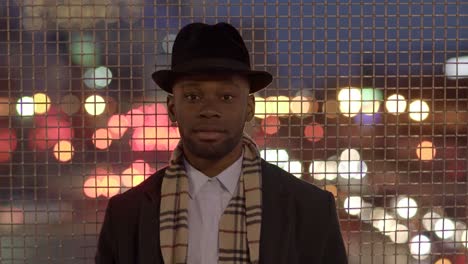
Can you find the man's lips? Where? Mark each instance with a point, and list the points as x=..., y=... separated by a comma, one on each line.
x=209, y=134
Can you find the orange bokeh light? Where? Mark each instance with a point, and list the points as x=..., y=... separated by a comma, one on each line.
x=117, y=125
x=103, y=183
x=155, y=138
x=426, y=151
x=136, y=173
x=102, y=138
x=63, y=151
x=50, y=129
x=314, y=132
x=135, y=117
x=270, y=125
x=11, y=215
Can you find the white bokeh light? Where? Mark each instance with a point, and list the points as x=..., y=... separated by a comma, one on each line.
x=456, y=68
x=295, y=168
x=429, y=219
x=353, y=205
x=400, y=235
x=444, y=228
x=420, y=246
x=168, y=43
x=95, y=105
x=386, y=224
x=279, y=157
x=97, y=78
x=464, y=238
x=25, y=106
x=322, y=170
x=406, y=207
x=418, y=110
x=352, y=169
x=396, y=104
x=350, y=155
x=350, y=101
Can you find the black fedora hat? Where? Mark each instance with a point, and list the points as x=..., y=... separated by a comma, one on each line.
x=203, y=48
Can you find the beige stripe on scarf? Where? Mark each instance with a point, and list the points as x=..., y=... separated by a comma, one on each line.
x=240, y=224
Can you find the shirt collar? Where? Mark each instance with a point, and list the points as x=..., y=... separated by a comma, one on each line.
x=228, y=178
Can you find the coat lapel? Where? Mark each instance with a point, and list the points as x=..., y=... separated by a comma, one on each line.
x=277, y=220
x=149, y=251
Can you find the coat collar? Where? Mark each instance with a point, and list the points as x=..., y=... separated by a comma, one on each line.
x=277, y=225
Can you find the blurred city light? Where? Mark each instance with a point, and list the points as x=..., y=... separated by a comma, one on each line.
x=260, y=107
x=41, y=103
x=136, y=117
x=277, y=105
x=371, y=100
x=426, y=151
x=5, y=103
x=95, y=105
x=400, y=235
x=49, y=129
x=456, y=68
x=429, y=219
x=168, y=43
x=396, y=104
x=302, y=106
x=97, y=78
x=350, y=101
x=295, y=168
x=25, y=106
x=314, y=132
x=420, y=247
x=418, y=110
x=406, y=207
x=102, y=138
x=117, y=125
x=353, y=205
x=443, y=261
x=101, y=183
x=138, y=171
x=444, y=228
x=84, y=51
x=63, y=151
x=270, y=125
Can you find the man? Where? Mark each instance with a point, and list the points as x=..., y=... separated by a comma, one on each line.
x=218, y=201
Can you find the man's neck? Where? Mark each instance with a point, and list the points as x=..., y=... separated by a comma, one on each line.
x=212, y=168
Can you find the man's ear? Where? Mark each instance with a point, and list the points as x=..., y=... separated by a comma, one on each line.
x=250, y=108
x=171, y=107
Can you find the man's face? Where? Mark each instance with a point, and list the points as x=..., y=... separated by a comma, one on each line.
x=211, y=111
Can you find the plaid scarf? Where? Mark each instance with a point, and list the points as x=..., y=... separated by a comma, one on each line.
x=239, y=226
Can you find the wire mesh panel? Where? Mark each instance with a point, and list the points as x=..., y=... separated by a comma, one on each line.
x=369, y=101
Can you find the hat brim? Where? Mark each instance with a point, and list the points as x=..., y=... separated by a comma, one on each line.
x=258, y=79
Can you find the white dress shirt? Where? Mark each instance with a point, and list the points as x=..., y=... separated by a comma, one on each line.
x=209, y=197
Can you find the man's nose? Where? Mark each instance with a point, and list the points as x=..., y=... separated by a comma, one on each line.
x=209, y=109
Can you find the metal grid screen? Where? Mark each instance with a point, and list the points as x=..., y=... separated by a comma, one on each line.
x=369, y=101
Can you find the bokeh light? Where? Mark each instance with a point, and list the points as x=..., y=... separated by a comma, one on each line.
x=95, y=105
x=42, y=103
x=371, y=100
x=277, y=105
x=426, y=151
x=8, y=143
x=456, y=68
x=302, y=106
x=117, y=126
x=418, y=110
x=350, y=155
x=260, y=107
x=155, y=138
x=25, y=106
x=314, y=132
x=168, y=43
x=49, y=129
x=70, y=104
x=406, y=207
x=138, y=171
x=11, y=215
x=350, y=101
x=101, y=182
x=63, y=151
x=396, y=104
x=387, y=224
x=5, y=104
x=444, y=228
x=270, y=125
x=420, y=246
x=102, y=138
x=84, y=51
x=400, y=235
x=279, y=157
x=97, y=78
x=136, y=117
x=353, y=205
x=429, y=219
x=322, y=170
x=443, y=261
x=295, y=168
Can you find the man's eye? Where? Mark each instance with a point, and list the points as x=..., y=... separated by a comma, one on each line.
x=191, y=97
x=227, y=97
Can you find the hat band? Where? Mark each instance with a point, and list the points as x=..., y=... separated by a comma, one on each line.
x=211, y=64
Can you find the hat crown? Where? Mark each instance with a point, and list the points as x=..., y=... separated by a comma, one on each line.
x=202, y=41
